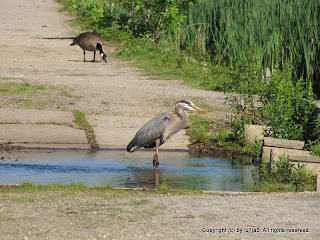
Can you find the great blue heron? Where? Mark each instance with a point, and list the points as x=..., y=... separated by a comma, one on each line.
x=90, y=41
x=159, y=129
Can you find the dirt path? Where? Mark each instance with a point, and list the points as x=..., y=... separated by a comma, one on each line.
x=35, y=46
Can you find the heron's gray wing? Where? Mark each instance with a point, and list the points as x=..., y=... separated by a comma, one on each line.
x=150, y=132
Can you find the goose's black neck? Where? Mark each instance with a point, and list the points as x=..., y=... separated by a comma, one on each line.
x=99, y=47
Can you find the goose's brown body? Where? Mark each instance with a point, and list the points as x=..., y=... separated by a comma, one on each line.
x=90, y=41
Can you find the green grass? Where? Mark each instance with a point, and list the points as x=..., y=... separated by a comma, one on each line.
x=106, y=191
x=16, y=92
x=200, y=130
x=141, y=202
x=28, y=187
x=283, y=176
x=12, y=88
x=10, y=79
x=212, y=137
x=82, y=123
x=66, y=94
x=13, y=219
x=170, y=64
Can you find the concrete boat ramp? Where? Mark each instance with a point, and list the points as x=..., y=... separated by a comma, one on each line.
x=34, y=128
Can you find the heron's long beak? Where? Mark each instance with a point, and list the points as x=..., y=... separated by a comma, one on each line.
x=199, y=109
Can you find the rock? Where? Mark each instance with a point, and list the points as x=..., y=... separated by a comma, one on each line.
x=253, y=132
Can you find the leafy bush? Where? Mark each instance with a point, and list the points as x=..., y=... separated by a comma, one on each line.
x=147, y=19
x=313, y=144
x=288, y=107
x=314, y=147
x=227, y=136
x=284, y=176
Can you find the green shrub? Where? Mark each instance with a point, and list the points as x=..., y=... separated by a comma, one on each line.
x=313, y=144
x=288, y=107
x=314, y=147
x=284, y=176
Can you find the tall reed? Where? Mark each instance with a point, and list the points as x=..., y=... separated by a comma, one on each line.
x=271, y=33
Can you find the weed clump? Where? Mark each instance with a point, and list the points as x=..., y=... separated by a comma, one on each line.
x=282, y=175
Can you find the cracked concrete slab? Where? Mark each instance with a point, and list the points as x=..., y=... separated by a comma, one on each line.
x=116, y=132
x=14, y=115
x=42, y=135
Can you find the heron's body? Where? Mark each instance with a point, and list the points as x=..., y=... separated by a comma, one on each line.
x=159, y=129
x=90, y=41
x=146, y=137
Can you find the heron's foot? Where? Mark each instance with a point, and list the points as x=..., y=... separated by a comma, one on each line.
x=155, y=161
x=156, y=164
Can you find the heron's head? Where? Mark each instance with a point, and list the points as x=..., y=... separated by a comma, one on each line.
x=186, y=104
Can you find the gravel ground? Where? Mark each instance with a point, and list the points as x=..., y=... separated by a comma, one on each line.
x=41, y=54
x=35, y=41
x=140, y=215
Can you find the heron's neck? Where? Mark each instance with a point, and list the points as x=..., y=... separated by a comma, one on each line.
x=177, y=124
x=184, y=117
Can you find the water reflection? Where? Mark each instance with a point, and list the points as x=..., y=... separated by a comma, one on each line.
x=121, y=169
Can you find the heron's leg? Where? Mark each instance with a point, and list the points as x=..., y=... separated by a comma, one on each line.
x=156, y=176
x=155, y=157
x=84, y=55
x=94, y=56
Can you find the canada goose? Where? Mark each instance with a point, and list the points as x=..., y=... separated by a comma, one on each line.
x=90, y=41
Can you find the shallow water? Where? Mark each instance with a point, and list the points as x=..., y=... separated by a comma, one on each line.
x=122, y=169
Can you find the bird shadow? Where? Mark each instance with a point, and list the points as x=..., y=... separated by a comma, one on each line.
x=54, y=38
x=73, y=60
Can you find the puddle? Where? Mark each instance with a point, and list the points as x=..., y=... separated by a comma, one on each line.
x=122, y=169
